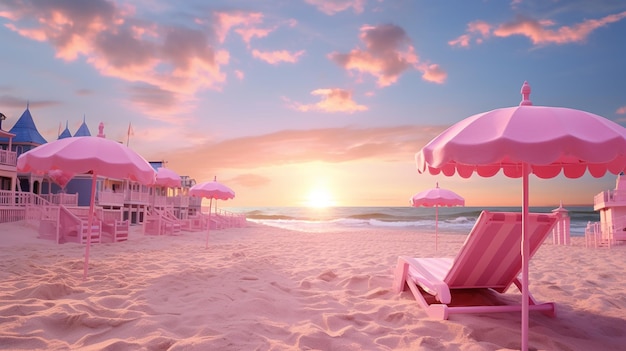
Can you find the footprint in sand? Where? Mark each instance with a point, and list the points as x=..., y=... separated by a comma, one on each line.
x=327, y=276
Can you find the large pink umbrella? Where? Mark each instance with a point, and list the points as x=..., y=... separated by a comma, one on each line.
x=522, y=140
x=100, y=156
x=436, y=197
x=211, y=190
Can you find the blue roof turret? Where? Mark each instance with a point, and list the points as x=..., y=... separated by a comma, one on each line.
x=83, y=130
x=25, y=130
x=66, y=133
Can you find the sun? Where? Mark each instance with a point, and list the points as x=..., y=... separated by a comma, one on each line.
x=319, y=198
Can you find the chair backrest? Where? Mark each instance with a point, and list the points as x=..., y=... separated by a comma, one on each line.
x=491, y=255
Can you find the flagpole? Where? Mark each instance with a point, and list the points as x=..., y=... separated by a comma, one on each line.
x=128, y=134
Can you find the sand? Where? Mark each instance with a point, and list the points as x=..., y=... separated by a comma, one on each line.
x=263, y=288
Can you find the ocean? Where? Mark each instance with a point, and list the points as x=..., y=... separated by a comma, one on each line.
x=450, y=219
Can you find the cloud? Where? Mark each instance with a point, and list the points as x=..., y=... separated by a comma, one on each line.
x=540, y=32
x=250, y=180
x=14, y=102
x=149, y=98
x=331, y=7
x=333, y=100
x=275, y=57
x=184, y=59
x=225, y=21
x=84, y=92
x=388, y=53
x=433, y=73
x=477, y=30
x=332, y=145
x=621, y=110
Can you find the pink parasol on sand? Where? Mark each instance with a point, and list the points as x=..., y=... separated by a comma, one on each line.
x=436, y=197
x=167, y=177
x=526, y=139
x=95, y=155
x=211, y=190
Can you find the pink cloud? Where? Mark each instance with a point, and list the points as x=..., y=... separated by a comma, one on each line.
x=176, y=61
x=248, y=33
x=540, y=32
x=477, y=30
x=388, y=53
x=331, y=7
x=621, y=110
x=433, y=73
x=239, y=74
x=333, y=145
x=250, y=180
x=274, y=57
x=333, y=100
x=228, y=20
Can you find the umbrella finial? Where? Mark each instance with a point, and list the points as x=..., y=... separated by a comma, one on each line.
x=525, y=95
x=101, y=130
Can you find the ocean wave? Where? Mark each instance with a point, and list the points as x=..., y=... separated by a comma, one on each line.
x=450, y=219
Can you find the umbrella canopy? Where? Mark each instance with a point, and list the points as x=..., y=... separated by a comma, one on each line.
x=60, y=177
x=167, y=177
x=436, y=197
x=99, y=156
x=524, y=140
x=211, y=190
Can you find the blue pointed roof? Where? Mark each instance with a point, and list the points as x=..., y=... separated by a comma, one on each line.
x=25, y=130
x=66, y=133
x=83, y=130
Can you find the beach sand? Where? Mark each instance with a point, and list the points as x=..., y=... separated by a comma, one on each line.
x=263, y=288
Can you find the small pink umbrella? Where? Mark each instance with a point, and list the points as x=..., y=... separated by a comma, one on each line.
x=211, y=190
x=527, y=139
x=436, y=197
x=167, y=177
x=79, y=155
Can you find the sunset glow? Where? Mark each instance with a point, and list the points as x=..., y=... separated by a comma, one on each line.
x=320, y=197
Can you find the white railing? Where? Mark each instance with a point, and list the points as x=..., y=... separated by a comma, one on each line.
x=21, y=199
x=8, y=158
x=110, y=198
x=610, y=196
x=12, y=214
x=599, y=234
x=132, y=196
x=62, y=199
x=178, y=201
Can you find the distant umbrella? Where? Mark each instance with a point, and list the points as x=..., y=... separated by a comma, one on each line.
x=211, y=190
x=436, y=197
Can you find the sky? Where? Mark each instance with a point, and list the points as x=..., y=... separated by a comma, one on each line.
x=311, y=102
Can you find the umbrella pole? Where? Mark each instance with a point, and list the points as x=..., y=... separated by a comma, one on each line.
x=436, y=226
x=89, y=224
x=525, y=257
x=208, y=225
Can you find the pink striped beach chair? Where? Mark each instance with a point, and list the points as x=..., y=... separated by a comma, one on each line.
x=489, y=260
